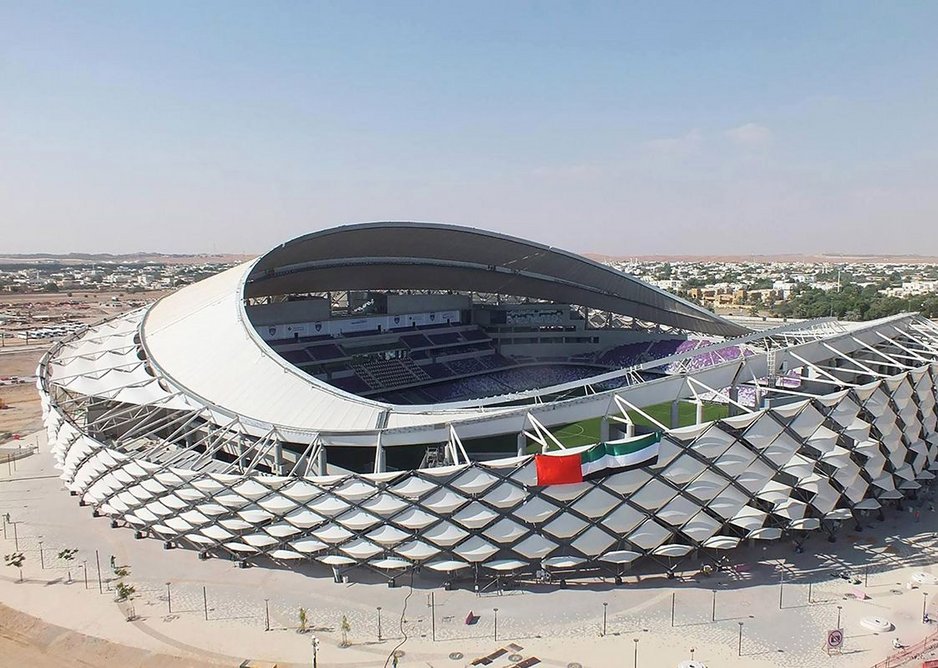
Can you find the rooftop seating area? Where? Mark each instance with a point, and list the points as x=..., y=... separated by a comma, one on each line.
x=468, y=365
x=373, y=362
x=632, y=354
x=296, y=356
x=709, y=358
x=414, y=341
x=352, y=384
x=445, y=338
x=457, y=339
x=381, y=374
x=442, y=362
x=516, y=379
x=329, y=351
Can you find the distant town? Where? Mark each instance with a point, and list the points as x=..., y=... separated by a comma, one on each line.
x=849, y=291
x=52, y=298
x=47, y=297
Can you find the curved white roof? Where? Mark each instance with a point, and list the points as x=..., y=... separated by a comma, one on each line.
x=196, y=350
x=200, y=340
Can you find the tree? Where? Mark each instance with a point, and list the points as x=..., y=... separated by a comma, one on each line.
x=345, y=627
x=16, y=560
x=303, y=620
x=125, y=591
x=68, y=555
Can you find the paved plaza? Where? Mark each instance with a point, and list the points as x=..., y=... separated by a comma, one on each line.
x=778, y=602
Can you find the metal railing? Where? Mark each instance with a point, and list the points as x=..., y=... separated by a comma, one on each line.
x=906, y=654
x=14, y=454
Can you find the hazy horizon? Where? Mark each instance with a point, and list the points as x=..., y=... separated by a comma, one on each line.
x=677, y=129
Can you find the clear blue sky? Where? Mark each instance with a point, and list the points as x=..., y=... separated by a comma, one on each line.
x=695, y=127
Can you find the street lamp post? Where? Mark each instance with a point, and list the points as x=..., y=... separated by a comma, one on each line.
x=692, y=654
x=839, y=608
x=97, y=561
x=42, y=561
x=605, y=605
x=169, y=599
x=495, y=611
x=379, y=623
x=16, y=540
x=924, y=605
x=315, y=644
x=713, y=607
x=635, y=653
x=781, y=585
x=673, y=598
x=267, y=614
x=739, y=648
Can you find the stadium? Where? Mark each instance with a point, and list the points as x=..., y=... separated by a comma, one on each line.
x=400, y=396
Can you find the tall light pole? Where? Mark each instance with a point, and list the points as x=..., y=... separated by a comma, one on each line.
x=635, y=653
x=379, y=623
x=739, y=648
x=713, y=607
x=432, y=617
x=605, y=605
x=673, y=598
x=314, y=641
x=839, y=608
x=42, y=561
x=97, y=561
x=267, y=614
x=169, y=599
x=495, y=610
x=924, y=605
x=781, y=585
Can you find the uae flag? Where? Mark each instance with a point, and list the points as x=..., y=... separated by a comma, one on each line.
x=597, y=461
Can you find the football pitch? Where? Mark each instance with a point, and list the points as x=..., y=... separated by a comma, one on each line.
x=586, y=432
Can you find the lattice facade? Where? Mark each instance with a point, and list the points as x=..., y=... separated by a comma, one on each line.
x=180, y=420
x=761, y=475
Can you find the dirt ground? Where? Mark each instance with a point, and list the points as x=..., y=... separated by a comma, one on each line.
x=22, y=413
x=28, y=641
x=81, y=297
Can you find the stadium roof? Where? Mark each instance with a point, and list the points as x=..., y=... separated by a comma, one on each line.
x=431, y=256
x=200, y=342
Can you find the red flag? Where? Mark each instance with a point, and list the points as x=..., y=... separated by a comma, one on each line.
x=558, y=469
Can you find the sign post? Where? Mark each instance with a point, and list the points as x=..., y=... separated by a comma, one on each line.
x=835, y=640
